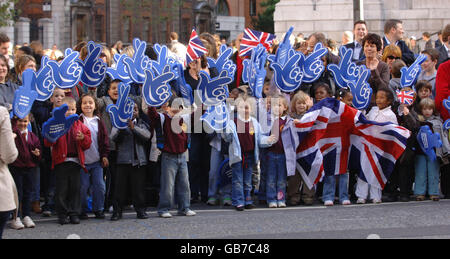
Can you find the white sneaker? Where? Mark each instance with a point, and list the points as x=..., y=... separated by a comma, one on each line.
x=166, y=215
x=190, y=213
x=361, y=201
x=376, y=201
x=227, y=202
x=28, y=222
x=273, y=205
x=346, y=202
x=281, y=204
x=16, y=224
x=329, y=203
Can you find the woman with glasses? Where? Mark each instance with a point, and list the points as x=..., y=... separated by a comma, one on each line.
x=390, y=54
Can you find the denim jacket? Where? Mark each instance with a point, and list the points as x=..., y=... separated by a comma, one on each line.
x=234, y=150
x=128, y=140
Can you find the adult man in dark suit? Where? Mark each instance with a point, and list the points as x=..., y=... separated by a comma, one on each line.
x=444, y=50
x=393, y=34
x=438, y=42
x=360, y=31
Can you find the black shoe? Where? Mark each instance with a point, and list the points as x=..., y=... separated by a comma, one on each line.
x=250, y=206
x=142, y=215
x=84, y=216
x=63, y=220
x=404, y=198
x=239, y=208
x=99, y=215
x=390, y=198
x=116, y=216
x=262, y=202
x=74, y=219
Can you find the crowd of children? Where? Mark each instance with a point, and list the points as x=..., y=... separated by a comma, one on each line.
x=95, y=166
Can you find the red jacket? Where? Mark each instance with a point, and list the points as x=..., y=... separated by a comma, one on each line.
x=443, y=88
x=59, y=148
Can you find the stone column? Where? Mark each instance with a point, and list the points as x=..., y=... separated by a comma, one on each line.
x=48, y=35
x=22, y=27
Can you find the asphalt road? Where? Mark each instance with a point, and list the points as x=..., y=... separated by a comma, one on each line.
x=388, y=220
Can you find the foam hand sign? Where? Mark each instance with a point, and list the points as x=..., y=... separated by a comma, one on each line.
x=428, y=141
x=217, y=117
x=446, y=104
x=139, y=63
x=213, y=91
x=44, y=81
x=411, y=74
x=156, y=89
x=254, y=72
x=25, y=96
x=163, y=59
x=288, y=77
x=67, y=74
x=122, y=111
x=313, y=65
x=94, y=69
x=223, y=62
x=120, y=72
x=281, y=57
x=347, y=70
x=58, y=124
x=361, y=90
x=185, y=89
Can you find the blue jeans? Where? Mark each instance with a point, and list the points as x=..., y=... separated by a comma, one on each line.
x=329, y=187
x=36, y=184
x=23, y=179
x=276, y=177
x=216, y=160
x=174, y=174
x=262, y=177
x=242, y=180
x=426, y=170
x=93, y=180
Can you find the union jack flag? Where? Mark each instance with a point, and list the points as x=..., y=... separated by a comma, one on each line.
x=405, y=97
x=252, y=38
x=195, y=49
x=335, y=137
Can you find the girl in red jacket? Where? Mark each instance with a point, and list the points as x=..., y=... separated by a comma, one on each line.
x=23, y=169
x=67, y=160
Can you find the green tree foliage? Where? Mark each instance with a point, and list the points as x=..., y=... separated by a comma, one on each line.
x=265, y=22
x=7, y=12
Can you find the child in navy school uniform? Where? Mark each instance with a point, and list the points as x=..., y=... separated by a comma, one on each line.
x=22, y=169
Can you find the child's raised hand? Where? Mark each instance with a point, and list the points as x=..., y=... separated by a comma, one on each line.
x=36, y=152
x=309, y=103
x=405, y=110
x=105, y=162
x=80, y=136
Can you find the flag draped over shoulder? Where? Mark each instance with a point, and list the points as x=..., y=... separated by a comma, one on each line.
x=334, y=137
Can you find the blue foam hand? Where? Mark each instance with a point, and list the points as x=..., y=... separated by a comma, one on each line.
x=58, y=124
x=120, y=72
x=67, y=74
x=185, y=88
x=361, y=90
x=156, y=89
x=122, y=111
x=428, y=141
x=94, y=69
x=139, y=63
x=223, y=62
x=213, y=91
x=411, y=74
x=313, y=65
x=163, y=59
x=217, y=117
x=288, y=77
x=446, y=104
x=254, y=71
x=44, y=81
x=25, y=96
x=282, y=55
x=347, y=70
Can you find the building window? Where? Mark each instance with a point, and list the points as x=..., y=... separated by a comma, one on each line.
x=126, y=30
x=163, y=35
x=252, y=7
x=145, y=28
x=186, y=30
x=222, y=8
x=99, y=28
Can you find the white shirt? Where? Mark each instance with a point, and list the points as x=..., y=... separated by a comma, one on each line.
x=357, y=51
x=385, y=115
x=25, y=132
x=92, y=155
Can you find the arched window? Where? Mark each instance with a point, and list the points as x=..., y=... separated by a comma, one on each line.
x=222, y=8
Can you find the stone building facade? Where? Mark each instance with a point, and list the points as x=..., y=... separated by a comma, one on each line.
x=333, y=17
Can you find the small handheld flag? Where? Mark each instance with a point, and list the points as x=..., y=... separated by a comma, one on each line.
x=195, y=49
